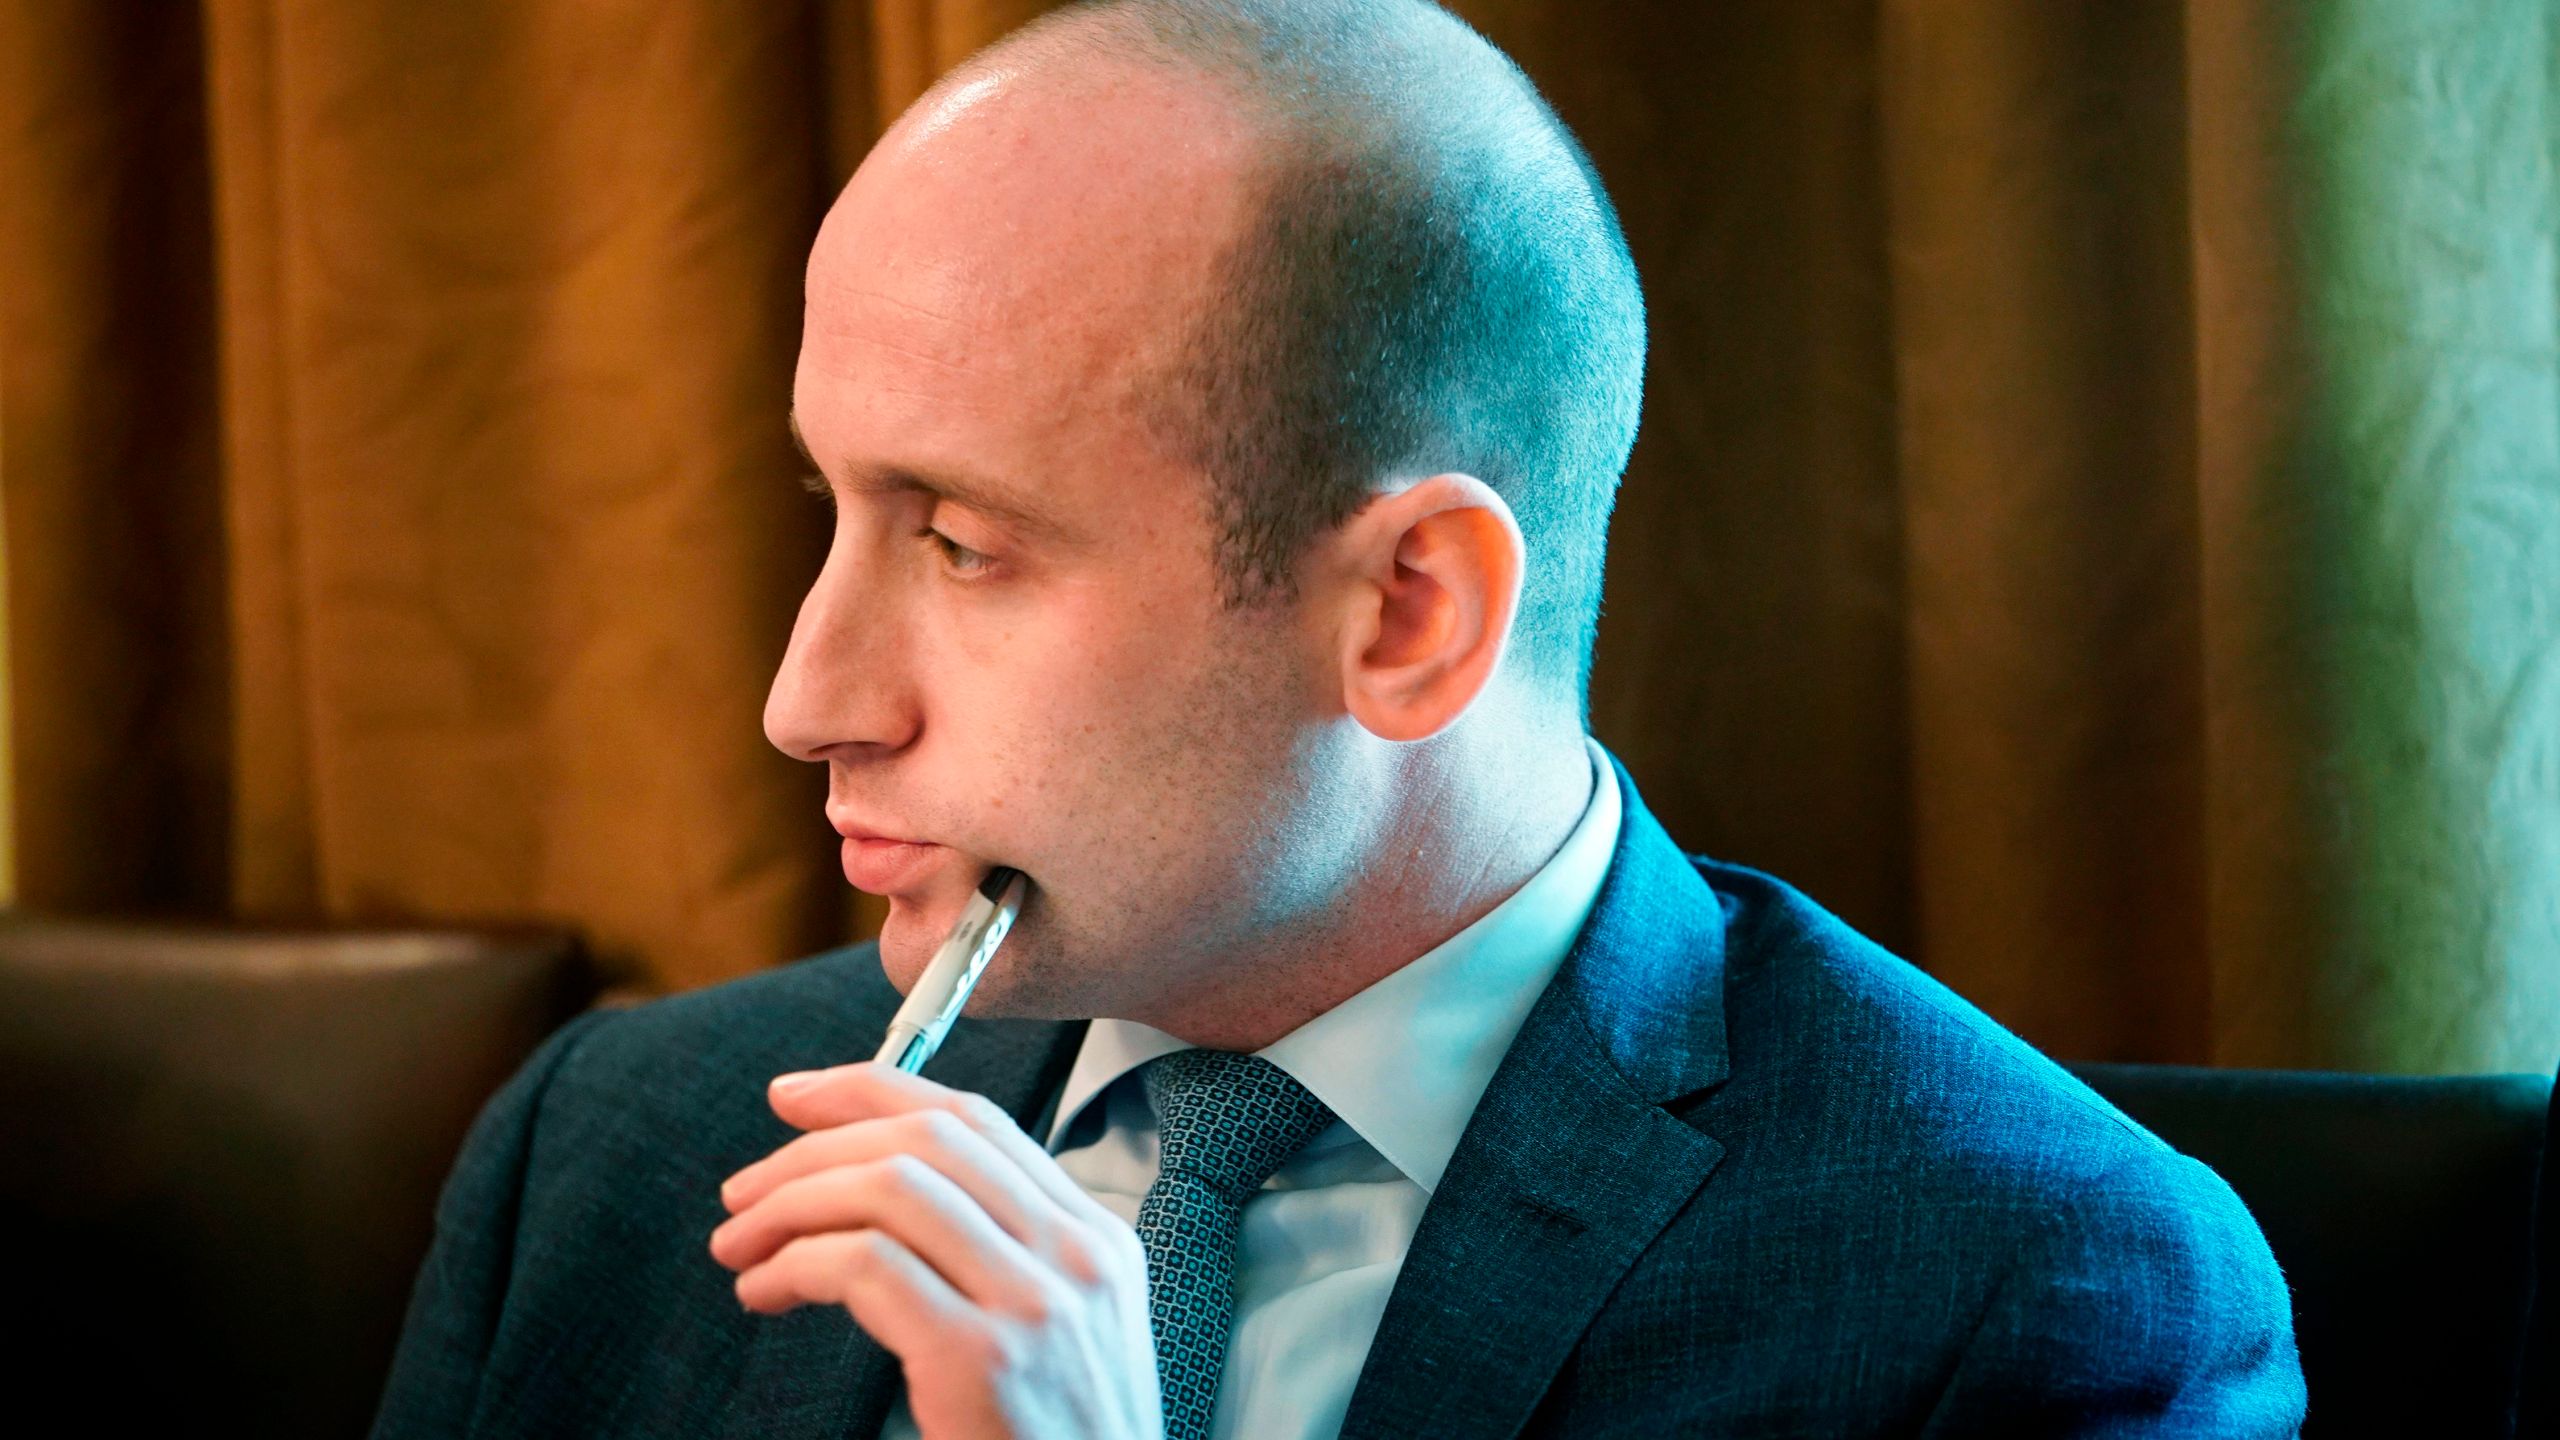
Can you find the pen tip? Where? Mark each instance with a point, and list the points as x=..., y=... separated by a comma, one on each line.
x=993, y=886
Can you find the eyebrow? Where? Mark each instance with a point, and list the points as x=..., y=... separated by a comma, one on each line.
x=968, y=491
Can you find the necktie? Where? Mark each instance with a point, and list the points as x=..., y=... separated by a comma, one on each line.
x=1225, y=1123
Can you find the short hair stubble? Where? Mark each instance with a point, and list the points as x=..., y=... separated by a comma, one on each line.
x=1433, y=280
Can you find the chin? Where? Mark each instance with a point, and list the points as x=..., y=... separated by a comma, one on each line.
x=915, y=929
x=908, y=938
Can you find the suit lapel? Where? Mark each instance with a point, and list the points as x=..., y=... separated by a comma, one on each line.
x=813, y=1373
x=1570, y=1166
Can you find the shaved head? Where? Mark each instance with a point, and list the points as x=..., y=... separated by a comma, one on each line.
x=1221, y=404
x=1427, y=276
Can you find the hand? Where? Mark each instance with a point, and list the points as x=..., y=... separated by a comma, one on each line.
x=1017, y=1304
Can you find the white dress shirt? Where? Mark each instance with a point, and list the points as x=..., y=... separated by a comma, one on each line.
x=1402, y=1064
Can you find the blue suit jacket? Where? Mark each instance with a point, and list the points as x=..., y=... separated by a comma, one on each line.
x=1742, y=1173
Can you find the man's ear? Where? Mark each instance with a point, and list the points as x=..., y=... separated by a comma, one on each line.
x=1433, y=575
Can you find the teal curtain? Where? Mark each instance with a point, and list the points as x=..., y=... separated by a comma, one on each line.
x=2380, y=464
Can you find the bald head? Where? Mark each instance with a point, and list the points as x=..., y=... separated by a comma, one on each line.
x=1377, y=255
x=1218, y=398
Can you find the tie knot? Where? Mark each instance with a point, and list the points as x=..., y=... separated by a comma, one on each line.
x=1227, y=1120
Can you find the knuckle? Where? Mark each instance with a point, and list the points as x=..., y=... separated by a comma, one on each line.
x=861, y=1252
x=901, y=1174
x=1038, y=1305
x=941, y=1128
x=982, y=1113
x=1074, y=1256
x=978, y=1349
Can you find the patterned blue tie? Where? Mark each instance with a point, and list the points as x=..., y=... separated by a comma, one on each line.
x=1225, y=1123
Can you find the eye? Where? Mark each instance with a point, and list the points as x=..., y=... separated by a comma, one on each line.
x=960, y=558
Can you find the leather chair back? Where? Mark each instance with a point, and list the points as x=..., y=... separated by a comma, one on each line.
x=222, y=1152
x=2401, y=1209
x=2538, y=1408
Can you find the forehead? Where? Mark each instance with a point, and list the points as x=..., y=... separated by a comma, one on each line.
x=1016, y=253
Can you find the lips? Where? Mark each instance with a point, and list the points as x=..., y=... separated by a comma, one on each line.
x=885, y=866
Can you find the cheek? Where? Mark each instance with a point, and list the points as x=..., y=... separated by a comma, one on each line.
x=1145, y=727
x=1095, y=715
x=1042, y=713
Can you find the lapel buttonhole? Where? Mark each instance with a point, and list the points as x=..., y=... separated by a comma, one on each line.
x=1555, y=1217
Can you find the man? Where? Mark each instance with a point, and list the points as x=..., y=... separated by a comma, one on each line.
x=1221, y=402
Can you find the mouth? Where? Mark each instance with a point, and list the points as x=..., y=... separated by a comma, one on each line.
x=887, y=864
x=890, y=867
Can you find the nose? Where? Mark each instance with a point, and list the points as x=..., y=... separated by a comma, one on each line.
x=843, y=684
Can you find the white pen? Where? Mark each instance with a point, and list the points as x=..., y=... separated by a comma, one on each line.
x=917, y=1029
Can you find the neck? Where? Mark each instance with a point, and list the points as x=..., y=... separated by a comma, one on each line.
x=1470, y=818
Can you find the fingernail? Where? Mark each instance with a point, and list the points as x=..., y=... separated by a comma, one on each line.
x=795, y=1082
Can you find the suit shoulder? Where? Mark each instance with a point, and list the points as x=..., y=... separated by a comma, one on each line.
x=1908, y=1201
x=1910, y=1145
x=1870, y=1057
x=2151, y=1291
x=818, y=1009
x=686, y=1075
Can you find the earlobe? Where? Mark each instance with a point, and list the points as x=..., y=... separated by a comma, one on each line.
x=1441, y=564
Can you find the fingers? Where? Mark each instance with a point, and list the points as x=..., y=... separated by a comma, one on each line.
x=819, y=1099
x=937, y=1136
x=913, y=1203
x=956, y=1242
x=892, y=1294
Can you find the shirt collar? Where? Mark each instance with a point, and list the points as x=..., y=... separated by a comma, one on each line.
x=1404, y=1062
